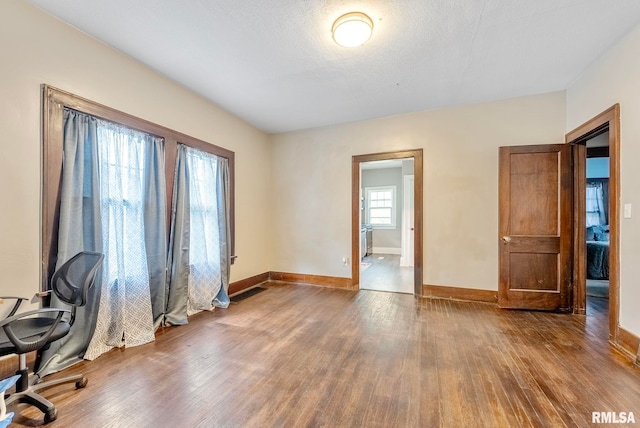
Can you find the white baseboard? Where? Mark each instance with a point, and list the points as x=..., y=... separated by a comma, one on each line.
x=406, y=262
x=386, y=250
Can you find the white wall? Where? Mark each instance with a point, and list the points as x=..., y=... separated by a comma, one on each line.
x=615, y=78
x=37, y=49
x=311, y=185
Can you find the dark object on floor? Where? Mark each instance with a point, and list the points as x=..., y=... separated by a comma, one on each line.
x=35, y=330
x=237, y=298
x=597, y=259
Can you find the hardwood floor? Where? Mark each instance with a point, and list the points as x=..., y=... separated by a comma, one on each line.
x=386, y=274
x=304, y=356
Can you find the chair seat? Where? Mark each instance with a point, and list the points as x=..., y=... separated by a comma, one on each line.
x=31, y=329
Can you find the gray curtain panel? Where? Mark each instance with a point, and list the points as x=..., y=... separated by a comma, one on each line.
x=178, y=257
x=79, y=230
x=222, y=194
x=155, y=235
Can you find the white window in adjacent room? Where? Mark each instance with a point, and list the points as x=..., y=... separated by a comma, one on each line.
x=381, y=207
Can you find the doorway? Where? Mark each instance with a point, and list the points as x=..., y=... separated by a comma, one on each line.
x=387, y=223
x=606, y=125
x=384, y=253
x=597, y=225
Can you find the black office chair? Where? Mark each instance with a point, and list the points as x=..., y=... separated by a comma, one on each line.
x=35, y=330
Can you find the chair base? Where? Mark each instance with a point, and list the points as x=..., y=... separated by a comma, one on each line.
x=30, y=394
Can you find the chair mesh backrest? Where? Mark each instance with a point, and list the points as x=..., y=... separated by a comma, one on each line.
x=71, y=282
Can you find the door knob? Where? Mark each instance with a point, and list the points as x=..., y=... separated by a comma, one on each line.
x=506, y=239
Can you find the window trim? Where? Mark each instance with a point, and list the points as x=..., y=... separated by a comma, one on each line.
x=394, y=206
x=53, y=103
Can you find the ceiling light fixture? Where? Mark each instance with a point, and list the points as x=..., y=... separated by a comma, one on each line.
x=352, y=29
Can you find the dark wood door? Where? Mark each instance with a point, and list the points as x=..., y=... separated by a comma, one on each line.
x=535, y=227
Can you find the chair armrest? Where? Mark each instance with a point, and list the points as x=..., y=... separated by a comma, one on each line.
x=16, y=305
x=23, y=346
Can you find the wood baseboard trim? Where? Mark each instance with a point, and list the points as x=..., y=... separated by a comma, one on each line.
x=458, y=293
x=247, y=283
x=9, y=364
x=319, y=280
x=629, y=343
x=428, y=291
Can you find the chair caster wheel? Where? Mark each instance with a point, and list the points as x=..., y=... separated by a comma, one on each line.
x=50, y=415
x=82, y=383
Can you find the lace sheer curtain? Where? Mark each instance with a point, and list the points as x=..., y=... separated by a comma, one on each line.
x=125, y=316
x=204, y=260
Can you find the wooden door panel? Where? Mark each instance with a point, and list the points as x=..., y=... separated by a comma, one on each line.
x=533, y=271
x=535, y=226
x=534, y=189
x=540, y=244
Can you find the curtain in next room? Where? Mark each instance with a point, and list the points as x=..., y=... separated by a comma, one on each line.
x=596, y=203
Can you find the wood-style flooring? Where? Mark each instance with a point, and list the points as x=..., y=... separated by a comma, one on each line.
x=304, y=356
x=384, y=273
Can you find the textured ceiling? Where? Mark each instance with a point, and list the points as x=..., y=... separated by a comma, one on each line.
x=274, y=63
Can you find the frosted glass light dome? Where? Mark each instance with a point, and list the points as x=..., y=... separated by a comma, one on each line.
x=352, y=29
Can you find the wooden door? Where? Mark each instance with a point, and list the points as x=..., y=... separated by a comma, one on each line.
x=535, y=227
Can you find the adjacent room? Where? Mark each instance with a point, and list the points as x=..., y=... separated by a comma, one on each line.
x=230, y=214
x=597, y=220
x=386, y=262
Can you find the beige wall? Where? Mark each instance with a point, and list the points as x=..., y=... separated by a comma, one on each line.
x=311, y=185
x=37, y=49
x=615, y=78
x=296, y=191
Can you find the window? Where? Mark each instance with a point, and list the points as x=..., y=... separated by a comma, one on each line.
x=122, y=155
x=55, y=101
x=205, y=271
x=203, y=208
x=381, y=207
x=108, y=185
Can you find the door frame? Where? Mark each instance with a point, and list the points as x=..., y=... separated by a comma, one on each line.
x=610, y=119
x=407, y=201
x=417, y=211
